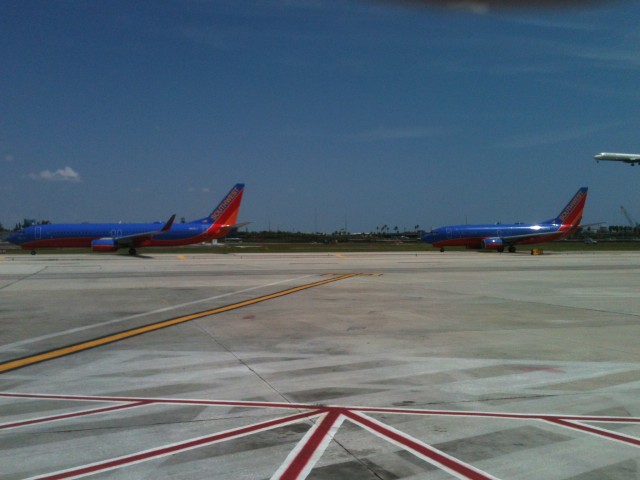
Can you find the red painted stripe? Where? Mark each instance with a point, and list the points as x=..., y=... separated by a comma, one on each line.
x=303, y=406
x=303, y=458
x=600, y=432
x=433, y=455
x=166, y=401
x=602, y=419
x=515, y=416
x=299, y=464
x=83, y=413
x=70, y=242
x=447, y=413
x=175, y=448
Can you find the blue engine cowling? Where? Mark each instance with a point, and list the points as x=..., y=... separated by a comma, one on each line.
x=493, y=243
x=104, y=245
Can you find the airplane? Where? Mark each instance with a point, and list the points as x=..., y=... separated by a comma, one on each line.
x=499, y=236
x=109, y=237
x=631, y=158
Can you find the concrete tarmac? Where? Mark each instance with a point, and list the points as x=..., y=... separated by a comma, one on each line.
x=361, y=366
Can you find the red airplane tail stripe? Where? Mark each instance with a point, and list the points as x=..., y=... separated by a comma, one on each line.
x=229, y=215
x=226, y=212
x=575, y=216
x=572, y=213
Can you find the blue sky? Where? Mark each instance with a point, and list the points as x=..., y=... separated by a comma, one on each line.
x=332, y=112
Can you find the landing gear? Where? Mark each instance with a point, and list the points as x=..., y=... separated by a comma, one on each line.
x=33, y=252
x=512, y=249
x=441, y=249
x=132, y=251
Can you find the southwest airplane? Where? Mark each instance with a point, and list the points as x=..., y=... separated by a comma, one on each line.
x=499, y=236
x=109, y=237
x=631, y=158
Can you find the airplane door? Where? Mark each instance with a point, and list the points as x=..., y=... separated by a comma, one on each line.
x=38, y=233
x=449, y=235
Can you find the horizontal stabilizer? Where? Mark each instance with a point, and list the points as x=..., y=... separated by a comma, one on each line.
x=231, y=227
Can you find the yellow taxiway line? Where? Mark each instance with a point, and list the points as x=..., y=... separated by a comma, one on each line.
x=116, y=337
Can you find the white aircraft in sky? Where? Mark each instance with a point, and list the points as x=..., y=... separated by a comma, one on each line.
x=631, y=158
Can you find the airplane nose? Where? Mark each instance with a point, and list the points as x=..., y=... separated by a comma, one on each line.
x=13, y=238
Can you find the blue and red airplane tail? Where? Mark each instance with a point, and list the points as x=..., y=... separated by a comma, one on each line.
x=226, y=212
x=571, y=215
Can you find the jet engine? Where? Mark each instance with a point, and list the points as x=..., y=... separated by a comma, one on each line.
x=493, y=243
x=104, y=245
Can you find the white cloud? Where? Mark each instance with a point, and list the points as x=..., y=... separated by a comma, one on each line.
x=9, y=158
x=66, y=174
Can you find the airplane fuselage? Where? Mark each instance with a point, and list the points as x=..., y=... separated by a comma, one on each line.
x=498, y=236
x=486, y=236
x=109, y=237
x=83, y=235
x=631, y=158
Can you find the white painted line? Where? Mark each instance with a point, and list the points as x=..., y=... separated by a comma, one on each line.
x=29, y=341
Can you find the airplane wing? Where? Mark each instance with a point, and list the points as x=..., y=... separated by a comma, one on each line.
x=228, y=228
x=136, y=237
x=530, y=236
x=524, y=236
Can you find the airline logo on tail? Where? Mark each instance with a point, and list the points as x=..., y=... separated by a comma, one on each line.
x=573, y=211
x=235, y=192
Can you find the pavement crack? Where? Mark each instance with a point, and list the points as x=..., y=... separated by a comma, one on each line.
x=26, y=277
x=243, y=363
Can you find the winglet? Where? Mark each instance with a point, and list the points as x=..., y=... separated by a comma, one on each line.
x=169, y=224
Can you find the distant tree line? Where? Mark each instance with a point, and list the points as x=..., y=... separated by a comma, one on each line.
x=383, y=232
x=614, y=231
x=24, y=224
x=319, y=237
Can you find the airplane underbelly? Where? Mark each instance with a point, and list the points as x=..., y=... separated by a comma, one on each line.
x=459, y=242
